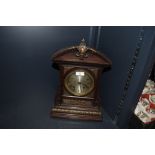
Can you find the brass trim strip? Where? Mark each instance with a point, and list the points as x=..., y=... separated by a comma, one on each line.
x=76, y=111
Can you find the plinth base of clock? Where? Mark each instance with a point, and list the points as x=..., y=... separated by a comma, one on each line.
x=76, y=114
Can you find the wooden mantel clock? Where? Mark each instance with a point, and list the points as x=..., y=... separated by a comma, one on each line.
x=78, y=94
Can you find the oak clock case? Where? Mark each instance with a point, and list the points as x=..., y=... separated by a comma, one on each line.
x=78, y=95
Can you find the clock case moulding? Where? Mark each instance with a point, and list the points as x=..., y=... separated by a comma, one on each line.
x=67, y=105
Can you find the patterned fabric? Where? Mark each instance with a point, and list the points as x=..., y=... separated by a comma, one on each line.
x=145, y=109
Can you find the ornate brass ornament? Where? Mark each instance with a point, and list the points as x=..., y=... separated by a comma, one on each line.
x=82, y=50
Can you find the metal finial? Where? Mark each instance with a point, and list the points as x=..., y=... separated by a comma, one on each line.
x=82, y=47
x=83, y=41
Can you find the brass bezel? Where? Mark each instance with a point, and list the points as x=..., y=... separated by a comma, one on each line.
x=77, y=94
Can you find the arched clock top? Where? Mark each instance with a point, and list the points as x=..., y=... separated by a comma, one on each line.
x=81, y=54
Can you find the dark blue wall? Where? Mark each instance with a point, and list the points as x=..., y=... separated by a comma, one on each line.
x=27, y=80
x=119, y=44
x=121, y=89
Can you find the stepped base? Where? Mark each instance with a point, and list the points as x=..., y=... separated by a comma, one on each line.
x=76, y=114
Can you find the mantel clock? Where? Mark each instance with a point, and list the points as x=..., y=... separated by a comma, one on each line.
x=80, y=70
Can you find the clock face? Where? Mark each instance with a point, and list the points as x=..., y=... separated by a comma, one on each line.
x=79, y=82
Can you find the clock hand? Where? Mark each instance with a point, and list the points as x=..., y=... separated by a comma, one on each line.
x=79, y=78
x=79, y=88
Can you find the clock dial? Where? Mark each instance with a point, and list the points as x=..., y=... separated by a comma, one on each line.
x=79, y=82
